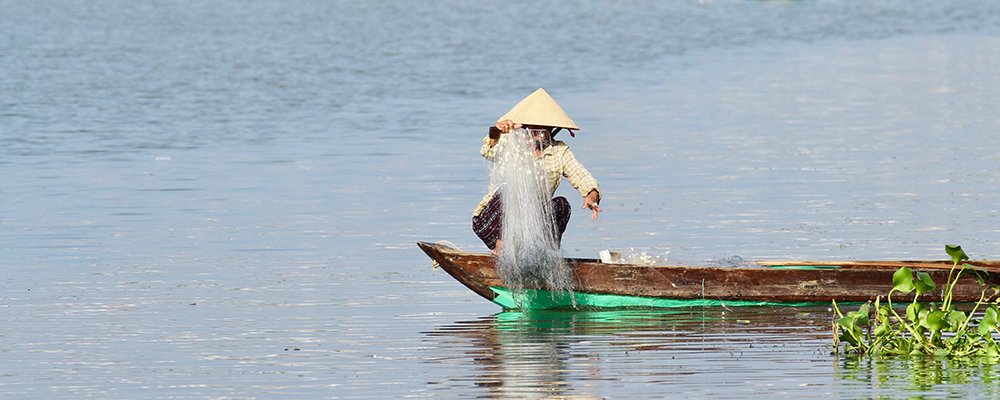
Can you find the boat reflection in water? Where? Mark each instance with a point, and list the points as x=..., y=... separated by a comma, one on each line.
x=589, y=354
x=699, y=353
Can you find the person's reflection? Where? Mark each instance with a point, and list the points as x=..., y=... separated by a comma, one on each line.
x=528, y=355
x=545, y=353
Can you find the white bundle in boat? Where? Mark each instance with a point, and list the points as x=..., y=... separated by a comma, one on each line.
x=529, y=255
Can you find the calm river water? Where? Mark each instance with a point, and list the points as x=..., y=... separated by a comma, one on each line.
x=220, y=199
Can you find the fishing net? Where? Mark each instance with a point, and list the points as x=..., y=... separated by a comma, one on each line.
x=529, y=255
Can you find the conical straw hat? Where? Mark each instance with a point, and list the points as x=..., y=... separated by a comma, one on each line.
x=539, y=109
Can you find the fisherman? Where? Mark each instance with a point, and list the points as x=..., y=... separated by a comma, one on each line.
x=544, y=118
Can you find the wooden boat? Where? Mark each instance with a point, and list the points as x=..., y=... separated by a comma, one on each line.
x=600, y=285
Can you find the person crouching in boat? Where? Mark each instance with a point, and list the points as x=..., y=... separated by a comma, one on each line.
x=544, y=118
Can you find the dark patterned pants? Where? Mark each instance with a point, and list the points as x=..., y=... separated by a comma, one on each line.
x=489, y=223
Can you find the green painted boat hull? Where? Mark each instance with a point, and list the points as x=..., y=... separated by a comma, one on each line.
x=533, y=299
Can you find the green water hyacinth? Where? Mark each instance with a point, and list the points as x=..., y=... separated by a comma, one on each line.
x=938, y=329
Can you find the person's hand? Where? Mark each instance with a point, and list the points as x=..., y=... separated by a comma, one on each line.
x=506, y=125
x=591, y=202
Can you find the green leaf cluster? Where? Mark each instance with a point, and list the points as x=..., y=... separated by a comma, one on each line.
x=938, y=329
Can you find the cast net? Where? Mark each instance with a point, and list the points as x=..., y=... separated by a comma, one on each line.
x=529, y=254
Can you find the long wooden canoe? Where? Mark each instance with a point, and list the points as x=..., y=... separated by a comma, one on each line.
x=600, y=285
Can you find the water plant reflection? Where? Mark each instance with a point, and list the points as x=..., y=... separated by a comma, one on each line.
x=938, y=377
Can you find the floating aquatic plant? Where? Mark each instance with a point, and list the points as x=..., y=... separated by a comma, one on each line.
x=938, y=329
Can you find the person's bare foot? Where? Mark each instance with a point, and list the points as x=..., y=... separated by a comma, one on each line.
x=496, y=249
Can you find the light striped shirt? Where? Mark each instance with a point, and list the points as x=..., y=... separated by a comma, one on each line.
x=559, y=162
